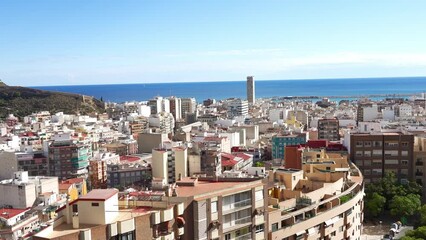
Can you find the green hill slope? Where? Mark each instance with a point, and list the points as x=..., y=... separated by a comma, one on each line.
x=22, y=101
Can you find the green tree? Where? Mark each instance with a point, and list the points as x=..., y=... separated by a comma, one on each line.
x=259, y=164
x=404, y=206
x=375, y=204
x=422, y=213
x=419, y=233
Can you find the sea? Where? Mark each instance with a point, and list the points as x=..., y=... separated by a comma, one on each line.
x=345, y=88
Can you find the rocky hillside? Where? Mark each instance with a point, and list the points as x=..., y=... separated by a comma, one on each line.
x=22, y=101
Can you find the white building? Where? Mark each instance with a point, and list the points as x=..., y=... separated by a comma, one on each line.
x=22, y=190
x=237, y=107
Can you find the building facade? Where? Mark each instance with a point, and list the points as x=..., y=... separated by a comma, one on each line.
x=328, y=129
x=378, y=153
x=251, y=97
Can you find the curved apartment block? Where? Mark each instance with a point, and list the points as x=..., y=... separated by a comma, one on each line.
x=324, y=200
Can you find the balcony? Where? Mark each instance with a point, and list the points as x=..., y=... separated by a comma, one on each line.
x=233, y=207
x=238, y=223
x=246, y=236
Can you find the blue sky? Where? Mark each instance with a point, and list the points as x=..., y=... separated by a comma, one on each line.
x=64, y=42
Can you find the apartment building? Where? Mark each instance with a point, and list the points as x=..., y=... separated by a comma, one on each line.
x=125, y=175
x=35, y=163
x=237, y=107
x=279, y=143
x=328, y=129
x=188, y=106
x=22, y=190
x=419, y=162
x=378, y=153
x=169, y=164
x=324, y=200
x=68, y=159
x=223, y=208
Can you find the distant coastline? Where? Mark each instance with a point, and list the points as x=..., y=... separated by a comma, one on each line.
x=333, y=88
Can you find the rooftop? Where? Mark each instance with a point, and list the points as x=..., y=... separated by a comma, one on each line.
x=8, y=213
x=204, y=189
x=99, y=194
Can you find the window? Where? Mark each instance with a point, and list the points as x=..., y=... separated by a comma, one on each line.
x=95, y=204
x=391, y=144
x=214, y=206
x=377, y=152
x=392, y=153
x=274, y=227
x=358, y=153
x=391, y=161
x=259, y=195
x=404, y=153
x=260, y=228
x=404, y=162
x=404, y=144
x=359, y=144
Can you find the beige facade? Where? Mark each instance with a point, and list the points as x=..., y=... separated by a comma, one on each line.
x=322, y=201
x=170, y=164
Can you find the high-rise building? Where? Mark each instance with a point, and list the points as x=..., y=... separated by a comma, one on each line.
x=250, y=90
x=188, y=106
x=176, y=107
x=68, y=159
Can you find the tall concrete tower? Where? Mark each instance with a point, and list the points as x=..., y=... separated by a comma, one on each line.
x=250, y=90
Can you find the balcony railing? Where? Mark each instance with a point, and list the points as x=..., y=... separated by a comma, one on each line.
x=243, y=220
x=246, y=236
x=243, y=203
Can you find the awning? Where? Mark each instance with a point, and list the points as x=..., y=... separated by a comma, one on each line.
x=180, y=221
x=300, y=233
x=312, y=231
x=331, y=221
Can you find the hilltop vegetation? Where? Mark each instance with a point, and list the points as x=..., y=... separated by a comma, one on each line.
x=22, y=101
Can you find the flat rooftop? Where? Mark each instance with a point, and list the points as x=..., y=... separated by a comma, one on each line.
x=99, y=194
x=206, y=189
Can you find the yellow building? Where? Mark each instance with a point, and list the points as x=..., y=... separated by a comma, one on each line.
x=74, y=187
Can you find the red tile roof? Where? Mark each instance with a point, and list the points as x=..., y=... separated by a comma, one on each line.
x=8, y=213
x=73, y=180
x=243, y=156
x=129, y=158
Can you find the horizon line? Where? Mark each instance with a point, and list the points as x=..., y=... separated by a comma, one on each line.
x=261, y=80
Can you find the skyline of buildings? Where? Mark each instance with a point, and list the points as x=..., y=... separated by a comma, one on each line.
x=278, y=168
